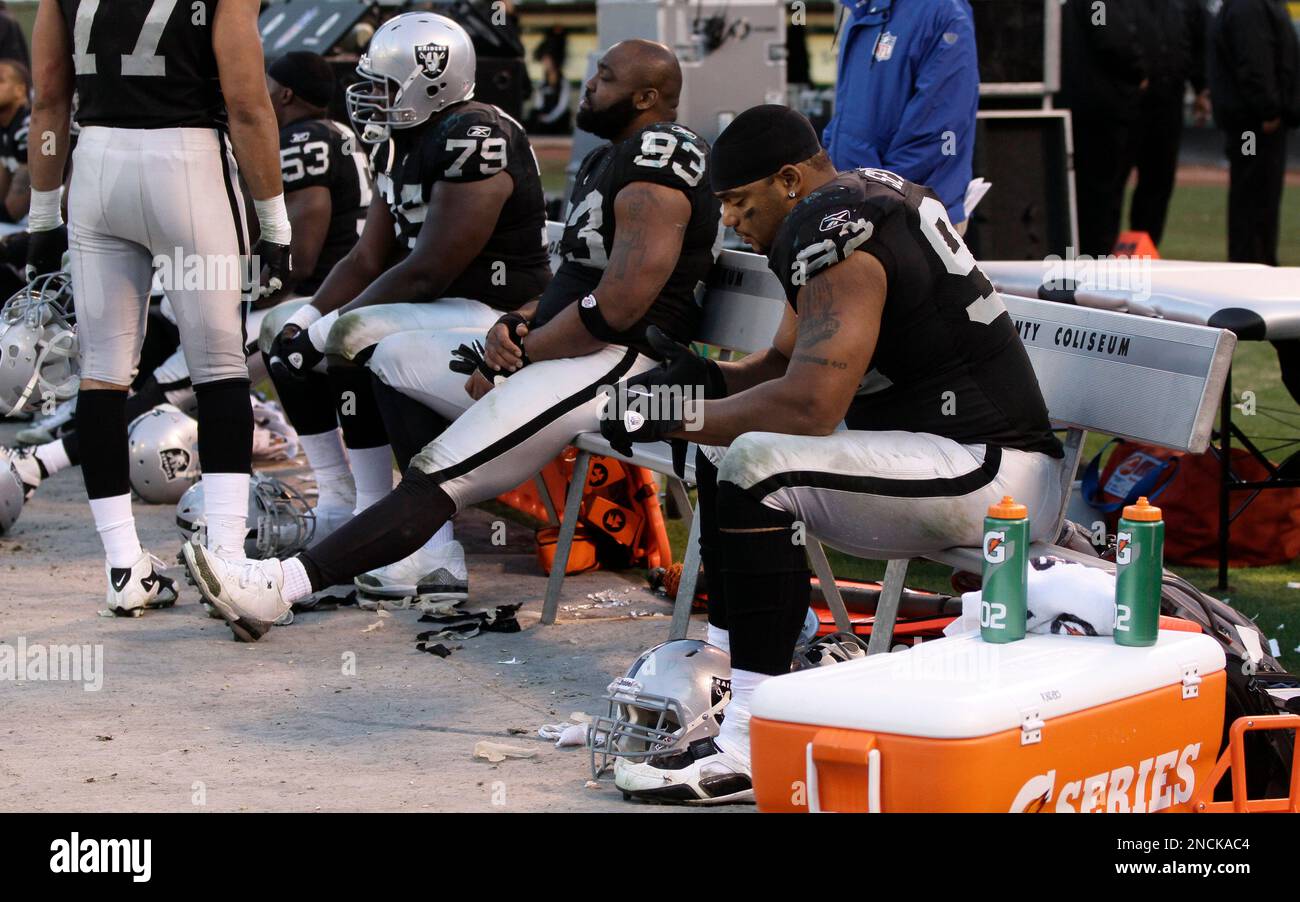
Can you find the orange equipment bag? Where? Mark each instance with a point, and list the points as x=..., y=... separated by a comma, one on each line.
x=1049, y=723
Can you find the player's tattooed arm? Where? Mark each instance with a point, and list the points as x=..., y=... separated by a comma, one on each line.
x=826, y=365
x=450, y=238
x=649, y=224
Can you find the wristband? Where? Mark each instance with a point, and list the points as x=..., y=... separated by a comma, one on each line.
x=45, y=211
x=319, y=331
x=273, y=217
x=304, y=316
x=594, y=320
x=510, y=321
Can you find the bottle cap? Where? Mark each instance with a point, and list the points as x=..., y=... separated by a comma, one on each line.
x=1008, y=509
x=1143, y=511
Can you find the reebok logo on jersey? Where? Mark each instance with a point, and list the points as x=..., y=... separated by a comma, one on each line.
x=432, y=58
x=834, y=221
x=299, y=137
x=479, y=131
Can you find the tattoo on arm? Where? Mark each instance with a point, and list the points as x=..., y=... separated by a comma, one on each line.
x=630, y=238
x=818, y=320
x=822, y=361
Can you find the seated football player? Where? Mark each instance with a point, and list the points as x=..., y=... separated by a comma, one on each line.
x=327, y=189
x=456, y=237
x=15, y=120
x=640, y=237
x=793, y=438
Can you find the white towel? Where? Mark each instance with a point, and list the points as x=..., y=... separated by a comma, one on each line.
x=1064, y=598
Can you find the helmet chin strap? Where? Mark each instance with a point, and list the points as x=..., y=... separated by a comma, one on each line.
x=56, y=347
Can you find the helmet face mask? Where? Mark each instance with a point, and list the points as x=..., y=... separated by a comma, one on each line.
x=280, y=521
x=38, y=345
x=673, y=695
x=416, y=65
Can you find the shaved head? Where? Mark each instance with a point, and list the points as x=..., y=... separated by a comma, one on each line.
x=637, y=83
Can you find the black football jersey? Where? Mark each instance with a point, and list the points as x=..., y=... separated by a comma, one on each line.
x=13, y=141
x=326, y=154
x=469, y=142
x=666, y=154
x=947, y=346
x=144, y=63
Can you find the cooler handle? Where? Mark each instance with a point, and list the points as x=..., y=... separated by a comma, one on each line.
x=814, y=787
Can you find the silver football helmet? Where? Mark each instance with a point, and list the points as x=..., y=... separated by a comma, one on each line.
x=822, y=651
x=38, y=345
x=672, y=695
x=164, y=449
x=11, y=496
x=280, y=521
x=417, y=64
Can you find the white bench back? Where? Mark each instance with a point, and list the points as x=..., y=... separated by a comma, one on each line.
x=1149, y=380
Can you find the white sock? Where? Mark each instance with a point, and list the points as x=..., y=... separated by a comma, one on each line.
x=719, y=638
x=329, y=461
x=442, y=537
x=53, y=457
x=296, y=584
x=225, y=511
x=372, y=468
x=733, y=737
x=116, y=527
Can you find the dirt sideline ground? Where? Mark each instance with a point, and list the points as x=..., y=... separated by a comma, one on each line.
x=187, y=719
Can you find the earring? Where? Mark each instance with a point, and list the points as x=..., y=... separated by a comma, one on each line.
x=791, y=195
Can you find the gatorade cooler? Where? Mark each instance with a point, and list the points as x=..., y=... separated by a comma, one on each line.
x=1050, y=723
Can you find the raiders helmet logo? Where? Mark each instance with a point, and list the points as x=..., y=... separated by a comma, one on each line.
x=175, y=462
x=633, y=420
x=432, y=59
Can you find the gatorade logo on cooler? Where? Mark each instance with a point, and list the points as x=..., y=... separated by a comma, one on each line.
x=995, y=546
x=1124, y=548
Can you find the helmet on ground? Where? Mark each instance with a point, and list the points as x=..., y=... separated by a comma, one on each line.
x=280, y=522
x=417, y=64
x=11, y=496
x=164, y=450
x=822, y=651
x=38, y=345
x=672, y=695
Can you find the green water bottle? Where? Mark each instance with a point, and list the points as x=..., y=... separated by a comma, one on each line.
x=1139, y=560
x=1004, y=598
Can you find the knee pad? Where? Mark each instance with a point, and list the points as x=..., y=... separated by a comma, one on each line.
x=743, y=462
x=350, y=336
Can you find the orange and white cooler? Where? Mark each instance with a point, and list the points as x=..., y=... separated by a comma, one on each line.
x=1049, y=723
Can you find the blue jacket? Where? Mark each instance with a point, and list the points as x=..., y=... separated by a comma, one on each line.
x=908, y=76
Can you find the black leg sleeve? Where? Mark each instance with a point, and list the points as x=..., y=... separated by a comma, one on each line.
x=363, y=427
x=409, y=424
x=706, y=487
x=225, y=426
x=767, y=581
x=308, y=403
x=387, y=531
x=101, y=418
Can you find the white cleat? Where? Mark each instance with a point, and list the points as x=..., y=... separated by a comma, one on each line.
x=30, y=469
x=438, y=575
x=47, y=429
x=247, y=594
x=134, y=589
x=702, y=774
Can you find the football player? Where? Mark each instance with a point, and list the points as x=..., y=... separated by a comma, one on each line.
x=169, y=98
x=882, y=292
x=641, y=234
x=327, y=189
x=457, y=235
x=15, y=120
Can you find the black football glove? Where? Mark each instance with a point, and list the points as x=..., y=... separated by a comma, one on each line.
x=641, y=420
x=276, y=264
x=293, y=355
x=45, y=251
x=469, y=357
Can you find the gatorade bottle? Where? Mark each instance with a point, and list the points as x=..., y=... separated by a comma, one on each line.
x=1139, y=556
x=1004, y=607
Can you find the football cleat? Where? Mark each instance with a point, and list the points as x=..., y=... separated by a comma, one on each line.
x=245, y=593
x=48, y=428
x=700, y=774
x=135, y=589
x=28, y=466
x=438, y=575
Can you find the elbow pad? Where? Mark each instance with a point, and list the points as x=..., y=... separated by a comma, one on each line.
x=594, y=321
